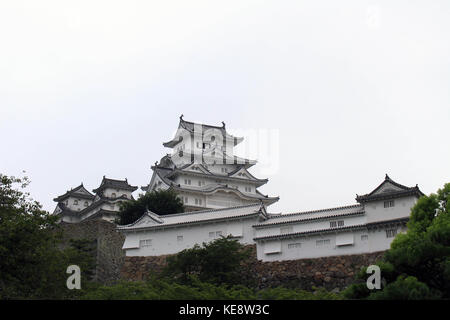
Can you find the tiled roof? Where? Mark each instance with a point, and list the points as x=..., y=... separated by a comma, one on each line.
x=189, y=126
x=114, y=184
x=78, y=192
x=389, y=193
x=337, y=229
x=296, y=219
x=148, y=220
x=318, y=213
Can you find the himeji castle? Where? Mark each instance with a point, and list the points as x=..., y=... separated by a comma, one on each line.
x=222, y=199
x=79, y=204
x=204, y=171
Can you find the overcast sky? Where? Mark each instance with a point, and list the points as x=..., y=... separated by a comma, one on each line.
x=343, y=91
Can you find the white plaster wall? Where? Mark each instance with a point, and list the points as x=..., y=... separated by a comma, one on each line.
x=80, y=206
x=164, y=241
x=377, y=241
x=109, y=191
x=308, y=226
x=375, y=210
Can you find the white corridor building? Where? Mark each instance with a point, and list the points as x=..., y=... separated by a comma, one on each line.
x=223, y=200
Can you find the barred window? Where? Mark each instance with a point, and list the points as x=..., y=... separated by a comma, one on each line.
x=389, y=204
x=294, y=245
x=285, y=230
x=322, y=242
x=145, y=243
x=364, y=237
x=391, y=233
x=333, y=224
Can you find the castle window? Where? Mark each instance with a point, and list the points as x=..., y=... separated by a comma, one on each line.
x=185, y=199
x=218, y=233
x=187, y=181
x=179, y=238
x=145, y=243
x=333, y=224
x=113, y=195
x=86, y=204
x=340, y=223
x=294, y=245
x=75, y=202
x=364, y=237
x=198, y=201
x=391, y=233
x=389, y=204
x=322, y=242
x=285, y=230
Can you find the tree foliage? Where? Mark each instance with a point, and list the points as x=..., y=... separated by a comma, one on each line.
x=161, y=202
x=31, y=264
x=419, y=261
x=166, y=289
x=219, y=262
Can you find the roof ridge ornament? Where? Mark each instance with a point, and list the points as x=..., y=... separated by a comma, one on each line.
x=181, y=117
x=223, y=124
x=387, y=177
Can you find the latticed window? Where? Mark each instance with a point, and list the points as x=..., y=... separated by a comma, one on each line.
x=294, y=245
x=285, y=230
x=391, y=233
x=389, y=204
x=145, y=243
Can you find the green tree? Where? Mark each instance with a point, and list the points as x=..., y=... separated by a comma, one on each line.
x=218, y=262
x=161, y=202
x=31, y=265
x=420, y=259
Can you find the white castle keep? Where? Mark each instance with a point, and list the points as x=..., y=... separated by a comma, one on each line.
x=221, y=199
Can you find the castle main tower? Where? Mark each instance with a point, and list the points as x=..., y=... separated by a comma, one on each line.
x=204, y=171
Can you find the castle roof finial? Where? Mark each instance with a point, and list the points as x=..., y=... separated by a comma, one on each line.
x=223, y=124
x=386, y=177
x=181, y=117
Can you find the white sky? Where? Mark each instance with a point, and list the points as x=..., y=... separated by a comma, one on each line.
x=354, y=90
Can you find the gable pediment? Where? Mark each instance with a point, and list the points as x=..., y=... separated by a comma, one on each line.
x=387, y=187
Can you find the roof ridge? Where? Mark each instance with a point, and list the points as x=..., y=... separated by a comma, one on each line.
x=214, y=210
x=308, y=219
x=318, y=210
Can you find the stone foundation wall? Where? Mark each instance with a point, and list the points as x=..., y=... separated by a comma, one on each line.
x=107, y=242
x=332, y=273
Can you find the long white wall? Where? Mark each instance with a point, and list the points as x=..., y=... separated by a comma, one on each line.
x=377, y=212
x=167, y=241
x=325, y=245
